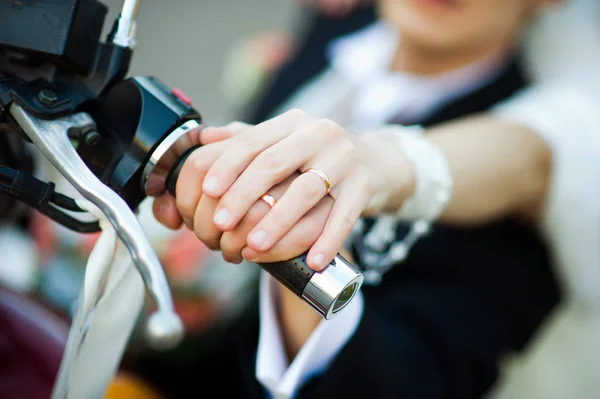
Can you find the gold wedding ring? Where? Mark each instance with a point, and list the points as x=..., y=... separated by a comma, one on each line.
x=323, y=177
x=268, y=199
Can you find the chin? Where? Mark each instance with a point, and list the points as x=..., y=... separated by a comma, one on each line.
x=427, y=35
x=434, y=33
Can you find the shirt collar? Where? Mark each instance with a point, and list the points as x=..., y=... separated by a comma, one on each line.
x=363, y=58
x=374, y=46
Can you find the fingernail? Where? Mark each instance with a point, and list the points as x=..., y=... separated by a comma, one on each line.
x=221, y=217
x=249, y=254
x=258, y=238
x=211, y=184
x=319, y=261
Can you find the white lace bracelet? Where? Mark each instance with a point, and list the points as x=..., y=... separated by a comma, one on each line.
x=433, y=180
x=433, y=189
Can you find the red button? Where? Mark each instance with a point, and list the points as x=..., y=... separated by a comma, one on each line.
x=182, y=96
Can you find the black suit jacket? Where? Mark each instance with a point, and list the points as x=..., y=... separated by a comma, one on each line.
x=438, y=325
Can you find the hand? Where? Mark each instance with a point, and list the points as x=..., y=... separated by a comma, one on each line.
x=233, y=243
x=259, y=158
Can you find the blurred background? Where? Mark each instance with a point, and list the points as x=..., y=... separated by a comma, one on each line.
x=220, y=53
x=196, y=37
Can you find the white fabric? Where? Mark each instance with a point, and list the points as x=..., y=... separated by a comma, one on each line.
x=563, y=49
x=330, y=336
x=383, y=94
x=108, y=307
x=362, y=96
x=570, y=122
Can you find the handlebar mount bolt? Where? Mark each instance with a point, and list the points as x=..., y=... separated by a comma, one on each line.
x=92, y=139
x=47, y=97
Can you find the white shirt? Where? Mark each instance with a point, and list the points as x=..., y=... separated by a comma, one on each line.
x=377, y=95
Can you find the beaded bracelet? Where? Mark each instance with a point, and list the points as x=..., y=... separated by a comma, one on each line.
x=432, y=193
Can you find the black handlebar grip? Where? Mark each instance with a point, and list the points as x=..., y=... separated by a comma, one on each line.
x=327, y=291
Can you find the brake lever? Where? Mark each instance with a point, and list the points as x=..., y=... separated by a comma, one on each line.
x=51, y=137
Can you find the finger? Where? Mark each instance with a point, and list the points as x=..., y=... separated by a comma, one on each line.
x=298, y=240
x=232, y=242
x=354, y=197
x=203, y=226
x=302, y=195
x=189, y=182
x=296, y=151
x=268, y=169
x=245, y=146
x=214, y=134
x=165, y=211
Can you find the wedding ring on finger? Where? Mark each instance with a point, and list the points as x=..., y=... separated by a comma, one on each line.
x=268, y=199
x=323, y=177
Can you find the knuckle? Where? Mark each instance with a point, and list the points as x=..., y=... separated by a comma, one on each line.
x=230, y=245
x=328, y=129
x=296, y=114
x=213, y=245
x=246, y=142
x=347, y=223
x=348, y=149
x=273, y=163
x=278, y=220
x=186, y=209
x=311, y=189
x=238, y=127
x=209, y=239
x=199, y=160
x=365, y=180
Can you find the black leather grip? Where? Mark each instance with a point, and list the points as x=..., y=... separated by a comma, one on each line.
x=294, y=273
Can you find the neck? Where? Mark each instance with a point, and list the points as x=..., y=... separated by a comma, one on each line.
x=417, y=59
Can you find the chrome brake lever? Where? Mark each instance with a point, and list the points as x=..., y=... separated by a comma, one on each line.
x=164, y=328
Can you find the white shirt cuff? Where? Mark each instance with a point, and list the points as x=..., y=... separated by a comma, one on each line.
x=282, y=380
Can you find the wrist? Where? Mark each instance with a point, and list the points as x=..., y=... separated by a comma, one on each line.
x=425, y=179
x=393, y=175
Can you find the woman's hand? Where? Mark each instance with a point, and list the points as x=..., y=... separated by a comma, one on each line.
x=256, y=160
x=220, y=188
x=232, y=243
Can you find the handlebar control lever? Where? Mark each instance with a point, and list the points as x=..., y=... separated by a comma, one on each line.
x=52, y=140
